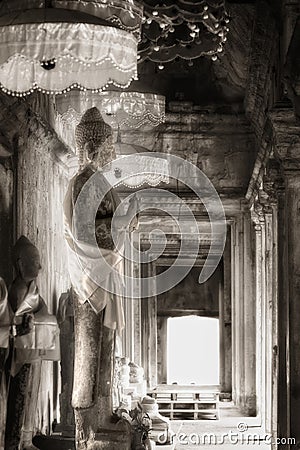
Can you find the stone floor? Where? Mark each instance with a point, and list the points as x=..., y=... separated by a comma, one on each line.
x=231, y=432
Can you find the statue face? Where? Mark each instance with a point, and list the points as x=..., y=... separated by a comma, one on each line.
x=29, y=263
x=91, y=152
x=100, y=155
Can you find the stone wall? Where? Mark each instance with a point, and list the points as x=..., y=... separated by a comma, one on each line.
x=190, y=297
x=41, y=183
x=33, y=182
x=221, y=145
x=6, y=214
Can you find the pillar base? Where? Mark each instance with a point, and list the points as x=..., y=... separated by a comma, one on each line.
x=249, y=407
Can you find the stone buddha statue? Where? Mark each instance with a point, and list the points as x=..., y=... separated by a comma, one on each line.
x=34, y=332
x=98, y=314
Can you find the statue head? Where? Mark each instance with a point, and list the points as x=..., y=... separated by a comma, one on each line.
x=94, y=140
x=26, y=259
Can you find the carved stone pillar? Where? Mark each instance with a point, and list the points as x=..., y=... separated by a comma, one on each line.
x=243, y=314
x=248, y=323
x=137, y=304
x=283, y=410
x=162, y=345
x=225, y=323
x=258, y=220
x=237, y=313
x=149, y=334
x=227, y=317
x=234, y=275
x=269, y=197
x=292, y=203
x=286, y=138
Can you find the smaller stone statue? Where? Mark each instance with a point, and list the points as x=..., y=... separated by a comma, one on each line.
x=161, y=431
x=124, y=372
x=136, y=374
x=35, y=334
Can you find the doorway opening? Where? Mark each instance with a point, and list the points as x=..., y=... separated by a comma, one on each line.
x=193, y=350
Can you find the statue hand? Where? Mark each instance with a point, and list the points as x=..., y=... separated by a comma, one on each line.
x=26, y=326
x=133, y=204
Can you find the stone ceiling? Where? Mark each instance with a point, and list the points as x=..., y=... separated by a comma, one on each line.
x=206, y=81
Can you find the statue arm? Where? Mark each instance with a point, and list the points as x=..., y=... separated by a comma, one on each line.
x=131, y=215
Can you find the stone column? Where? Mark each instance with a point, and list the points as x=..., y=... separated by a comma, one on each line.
x=274, y=320
x=271, y=378
x=292, y=215
x=286, y=149
x=237, y=312
x=149, y=334
x=128, y=332
x=222, y=336
x=227, y=330
x=248, y=324
x=137, y=303
x=162, y=347
x=225, y=324
x=259, y=307
x=283, y=410
x=265, y=219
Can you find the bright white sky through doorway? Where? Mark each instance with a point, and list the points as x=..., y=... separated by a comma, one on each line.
x=193, y=350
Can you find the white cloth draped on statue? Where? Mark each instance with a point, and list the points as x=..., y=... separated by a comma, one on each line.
x=42, y=341
x=91, y=273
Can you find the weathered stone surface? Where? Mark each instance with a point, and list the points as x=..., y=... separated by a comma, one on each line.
x=190, y=297
x=232, y=68
x=6, y=215
x=66, y=324
x=292, y=66
x=260, y=88
x=222, y=146
x=16, y=407
x=32, y=186
x=41, y=182
x=286, y=137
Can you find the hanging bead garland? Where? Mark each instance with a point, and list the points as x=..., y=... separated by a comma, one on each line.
x=182, y=29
